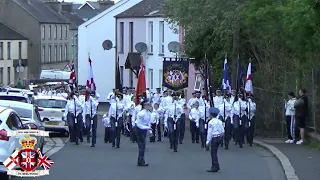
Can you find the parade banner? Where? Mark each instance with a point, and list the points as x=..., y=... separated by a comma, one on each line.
x=175, y=74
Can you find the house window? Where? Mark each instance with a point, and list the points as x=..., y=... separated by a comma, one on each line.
x=43, y=58
x=1, y=76
x=160, y=79
x=151, y=78
x=66, y=31
x=131, y=36
x=121, y=37
x=1, y=50
x=60, y=51
x=150, y=37
x=50, y=31
x=49, y=54
x=197, y=82
x=20, y=50
x=55, y=53
x=9, y=51
x=161, y=40
x=61, y=32
x=65, y=52
x=9, y=76
x=43, y=32
x=121, y=74
x=55, y=31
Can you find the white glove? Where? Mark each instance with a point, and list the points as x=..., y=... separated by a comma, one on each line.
x=197, y=124
x=207, y=143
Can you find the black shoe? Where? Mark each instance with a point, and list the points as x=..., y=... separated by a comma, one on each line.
x=197, y=142
x=250, y=144
x=77, y=143
x=241, y=146
x=159, y=140
x=93, y=145
x=212, y=170
x=192, y=141
x=143, y=164
x=226, y=147
x=81, y=140
x=180, y=142
x=113, y=145
x=118, y=146
x=175, y=150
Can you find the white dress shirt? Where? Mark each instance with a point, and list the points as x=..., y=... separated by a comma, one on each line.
x=191, y=102
x=129, y=108
x=194, y=115
x=156, y=98
x=217, y=101
x=174, y=110
x=239, y=107
x=116, y=109
x=154, y=117
x=143, y=119
x=200, y=101
x=91, y=106
x=251, y=108
x=215, y=129
x=137, y=109
x=73, y=105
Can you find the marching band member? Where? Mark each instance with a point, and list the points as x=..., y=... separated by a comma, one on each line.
x=107, y=128
x=226, y=117
x=191, y=101
x=182, y=102
x=111, y=97
x=129, y=109
x=73, y=116
x=137, y=109
x=202, y=124
x=215, y=135
x=142, y=126
x=116, y=118
x=239, y=119
x=199, y=99
x=194, y=117
x=218, y=99
x=126, y=96
x=154, y=121
x=251, y=108
x=90, y=111
x=233, y=96
x=156, y=97
x=172, y=121
x=164, y=105
x=160, y=112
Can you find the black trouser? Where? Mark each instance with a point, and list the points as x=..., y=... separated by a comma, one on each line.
x=194, y=132
x=141, y=139
x=227, y=132
x=203, y=126
x=290, y=120
x=215, y=143
x=250, y=127
x=182, y=127
x=173, y=130
x=159, y=127
x=239, y=128
x=91, y=124
x=153, y=137
x=116, y=126
x=75, y=126
x=107, y=135
x=223, y=122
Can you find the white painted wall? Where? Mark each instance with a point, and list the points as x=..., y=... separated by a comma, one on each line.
x=91, y=35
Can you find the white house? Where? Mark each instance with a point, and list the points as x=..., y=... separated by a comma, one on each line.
x=91, y=36
x=143, y=22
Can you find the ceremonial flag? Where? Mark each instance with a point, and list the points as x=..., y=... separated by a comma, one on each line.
x=73, y=79
x=90, y=81
x=226, y=88
x=118, y=77
x=44, y=161
x=248, y=86
x=12, y=160
x=239, y=87
x=141, y=83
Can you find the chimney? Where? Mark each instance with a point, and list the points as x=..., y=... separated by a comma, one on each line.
x=66, y=7
x=53, y=4
x=105, y=4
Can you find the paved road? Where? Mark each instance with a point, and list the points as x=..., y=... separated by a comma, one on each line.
x=84, y=162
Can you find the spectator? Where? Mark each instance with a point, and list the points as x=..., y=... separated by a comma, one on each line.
x=301, y=113
x=290, y=117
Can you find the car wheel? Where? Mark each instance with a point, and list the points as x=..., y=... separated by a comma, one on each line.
x=66, y=134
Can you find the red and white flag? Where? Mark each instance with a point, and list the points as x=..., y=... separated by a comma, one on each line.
x=73, y=79
x=248, y=87
x=90, y=81
x=12, y=160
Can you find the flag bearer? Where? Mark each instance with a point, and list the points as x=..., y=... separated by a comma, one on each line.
x=239, y=119
x=215, y=135
x=251, y=108
x=154, y=121
x=183, y=103
x=116, y=119
x=172, y=121
x=226, y=112
x=73, y=116
x=90, y=109
x=194, y=117
x=142, y=126
x=203, y=124
x=129, y=109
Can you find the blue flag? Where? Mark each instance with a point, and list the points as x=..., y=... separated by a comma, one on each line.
x=226, y=88
x=239, y=79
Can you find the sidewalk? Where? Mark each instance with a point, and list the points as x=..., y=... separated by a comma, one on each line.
x=305, y=160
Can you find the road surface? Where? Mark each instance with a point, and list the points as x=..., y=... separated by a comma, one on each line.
x=190, y=163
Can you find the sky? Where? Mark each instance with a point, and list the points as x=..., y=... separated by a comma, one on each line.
x=82, y=1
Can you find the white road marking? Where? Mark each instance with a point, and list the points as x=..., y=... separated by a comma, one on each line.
x=53, y=145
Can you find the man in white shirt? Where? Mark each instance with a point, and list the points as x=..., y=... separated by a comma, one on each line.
x=115, y=114
x=111, y=97
x=251, y=109
x=233, y=96
x=218, y=99
x=156, y=96
x=214, y=136
x=239, y=119
x=90, y=111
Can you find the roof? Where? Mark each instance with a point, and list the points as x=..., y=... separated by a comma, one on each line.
x=76, y=6
x=74, y=19
x=84, y=13
x=7, y=33
x=146, y=8
x=50, y=97
x=12, y=94
x=7, y=103
x=92, y=4
x=40, y=11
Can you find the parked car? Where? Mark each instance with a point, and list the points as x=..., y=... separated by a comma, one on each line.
x=51, y=109
x=14, y=96
x=10, y=121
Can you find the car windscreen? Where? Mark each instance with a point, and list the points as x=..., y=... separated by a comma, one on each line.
x=51, y=103
x=14, y=98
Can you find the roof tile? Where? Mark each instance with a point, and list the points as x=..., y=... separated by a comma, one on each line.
x=146, y=8
x=7, y=33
